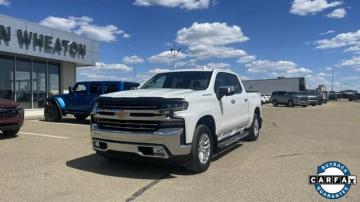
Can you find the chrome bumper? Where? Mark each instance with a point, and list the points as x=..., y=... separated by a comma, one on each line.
x=301, y=103
x=163, y=143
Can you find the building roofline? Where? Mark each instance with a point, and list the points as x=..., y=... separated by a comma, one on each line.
x=274, y=79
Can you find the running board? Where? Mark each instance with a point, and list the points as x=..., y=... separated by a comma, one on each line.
x=231, y=140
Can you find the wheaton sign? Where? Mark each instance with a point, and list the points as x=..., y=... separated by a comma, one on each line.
x=47, y=43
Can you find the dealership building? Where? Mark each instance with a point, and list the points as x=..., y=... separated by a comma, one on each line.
x=37, y=62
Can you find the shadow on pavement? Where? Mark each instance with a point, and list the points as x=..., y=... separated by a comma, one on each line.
x=121, y=168
x=5, y=137
x=138, y=168
x=71, y=121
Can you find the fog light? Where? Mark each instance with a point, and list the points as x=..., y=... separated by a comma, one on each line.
x=158, y=151
x=96, y=144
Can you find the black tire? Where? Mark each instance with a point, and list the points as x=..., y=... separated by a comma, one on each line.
x=11, y=132
x=254, y=133
x=290, y=103
x=275, y=103
x=304, y=106
x=194, y=164
x=313, y=105
x=52, y=113
x=80, y=117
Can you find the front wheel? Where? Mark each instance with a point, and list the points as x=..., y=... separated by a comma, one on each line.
x=275, y=103
x=254, y=129
x=290, y=103
x=201, y=151
x=10, y=132
x=52, y=113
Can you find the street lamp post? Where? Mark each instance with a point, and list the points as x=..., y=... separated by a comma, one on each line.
x=174, y=52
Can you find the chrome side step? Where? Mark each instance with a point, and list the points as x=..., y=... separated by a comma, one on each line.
x=231, y=140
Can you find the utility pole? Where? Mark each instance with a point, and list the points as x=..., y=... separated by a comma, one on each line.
x=332, y=79
x=174, y=52
x=134, y=68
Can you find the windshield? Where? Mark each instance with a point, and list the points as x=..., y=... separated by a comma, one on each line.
x=180, y=80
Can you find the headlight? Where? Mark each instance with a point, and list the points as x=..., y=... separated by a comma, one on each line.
x=20, y=109
x=175, y=106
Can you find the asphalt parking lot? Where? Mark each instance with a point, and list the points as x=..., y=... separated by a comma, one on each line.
x=55, y=162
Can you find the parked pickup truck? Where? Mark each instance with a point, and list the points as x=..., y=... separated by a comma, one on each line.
x=80, y=99
x=185, y=115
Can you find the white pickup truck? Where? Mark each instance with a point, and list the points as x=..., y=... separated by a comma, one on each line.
x=182, y=114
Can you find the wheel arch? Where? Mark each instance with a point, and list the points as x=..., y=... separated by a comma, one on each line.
x=209, y=121
x=257, y=111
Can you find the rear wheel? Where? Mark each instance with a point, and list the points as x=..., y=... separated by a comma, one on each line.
x=275, y=103
x=52, y=113
x=10, y=132
x=254, y=129
x=201, y=151
x=80, y=117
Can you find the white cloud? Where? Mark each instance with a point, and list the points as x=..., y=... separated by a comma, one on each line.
x=328, y=68
x=83, y=26
x=337, y=13
x=108, y=67
x=132, y=59
x=327, y=32
x=158, y=70
x=246, y=59
x=183, y=4
x=311, y=7
x=355, y=49
x=277, y=68
x=353, y=62
x=340, y=40
x=217, y=65
x=4, y=2
x=206, y=40
x=166, y=57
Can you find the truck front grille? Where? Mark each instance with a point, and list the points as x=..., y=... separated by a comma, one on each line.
x=136, y=125
x=303, y=99
x=8, y=113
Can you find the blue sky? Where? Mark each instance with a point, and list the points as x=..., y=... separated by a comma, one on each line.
x=256, y=39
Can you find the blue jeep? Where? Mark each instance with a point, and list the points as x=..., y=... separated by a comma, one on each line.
x=80, y=99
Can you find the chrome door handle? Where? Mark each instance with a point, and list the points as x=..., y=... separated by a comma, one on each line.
x=233, y=101
x=245, y=99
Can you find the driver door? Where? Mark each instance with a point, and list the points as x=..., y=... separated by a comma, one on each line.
x=227, y=119
x=78, y=100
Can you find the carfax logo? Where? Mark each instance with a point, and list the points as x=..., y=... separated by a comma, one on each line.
x=333, y=180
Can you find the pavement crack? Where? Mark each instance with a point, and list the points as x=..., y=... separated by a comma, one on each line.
x=146, y=187
x=274, y=124
x=287, y=155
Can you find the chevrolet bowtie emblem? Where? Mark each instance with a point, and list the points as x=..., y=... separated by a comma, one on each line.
x=121, y=114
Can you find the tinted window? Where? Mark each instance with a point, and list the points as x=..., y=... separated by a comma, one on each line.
x=95, y=88
x=234, y=81
x=180, y=80
x=111, y=87
x=80, y=88
x=220, y=81
x=225, y=79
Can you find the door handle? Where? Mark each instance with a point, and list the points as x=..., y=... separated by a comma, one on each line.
x=245, y=99
x=233, y=101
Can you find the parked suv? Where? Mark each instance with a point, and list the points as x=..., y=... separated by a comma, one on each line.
x=11, y=117
x=80, y=99
x=289, y=99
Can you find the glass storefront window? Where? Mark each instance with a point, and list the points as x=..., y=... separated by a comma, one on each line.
x=39, y=83
x=54, y=79
x=35, y=80
x=23, y=82
x=7, y=65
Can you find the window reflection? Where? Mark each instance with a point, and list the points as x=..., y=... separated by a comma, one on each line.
x=7, y=65
x=22, y=82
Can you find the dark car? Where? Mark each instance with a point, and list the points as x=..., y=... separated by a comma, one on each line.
x=289, y=99
x=80, y=99
x=11, y=117
x=332, y=95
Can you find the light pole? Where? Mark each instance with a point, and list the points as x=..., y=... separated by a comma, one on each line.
x=332, y=79
x=174, y=52
x=134, y=68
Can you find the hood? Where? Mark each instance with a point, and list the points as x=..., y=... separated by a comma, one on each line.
x=8, y=103
x=158, y=92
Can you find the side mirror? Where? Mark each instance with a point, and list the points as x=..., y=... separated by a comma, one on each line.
x=225, y=91
x=70, y=90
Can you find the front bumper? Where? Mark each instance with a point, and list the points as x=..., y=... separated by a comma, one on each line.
x=301, y=103
x=162, y=143
x=313, y=102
